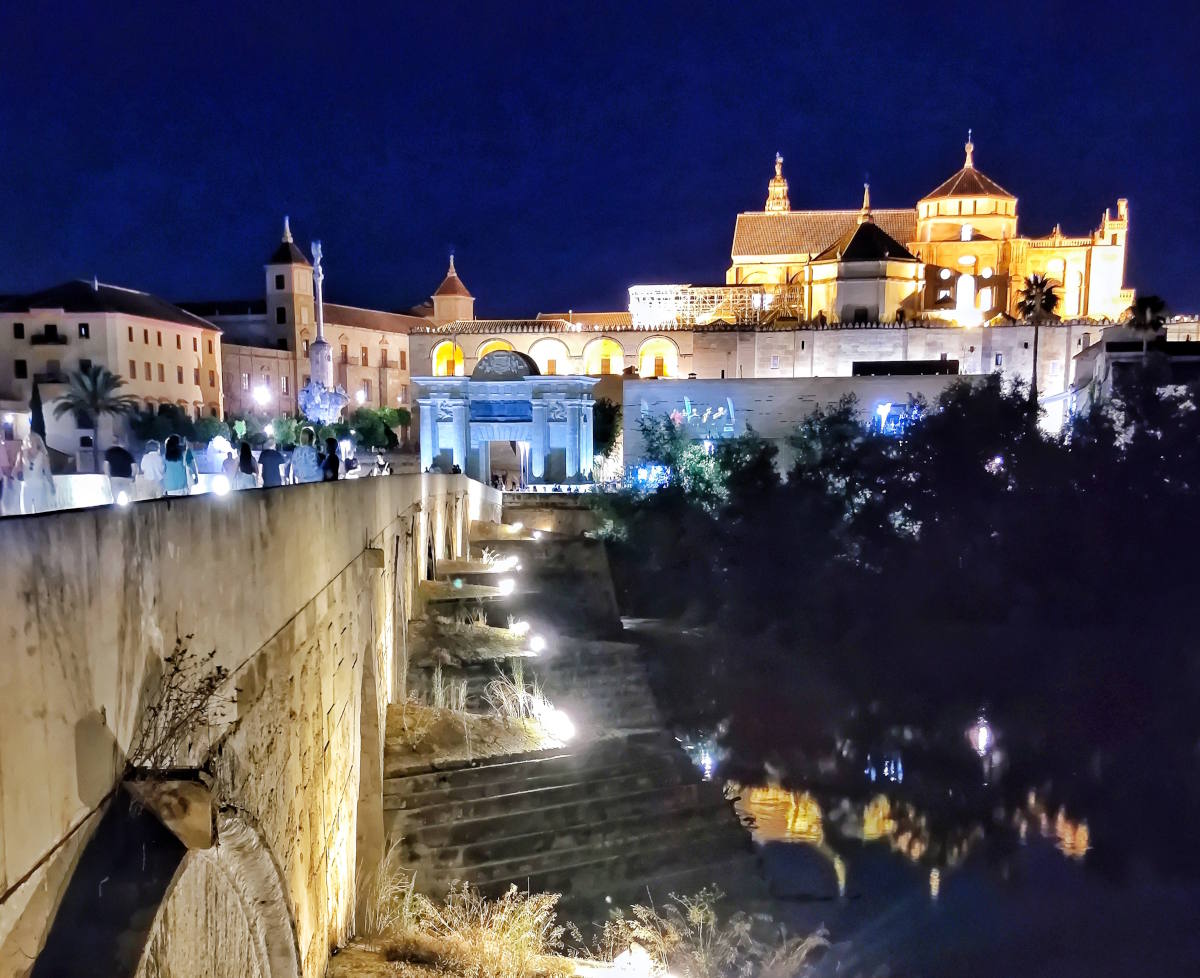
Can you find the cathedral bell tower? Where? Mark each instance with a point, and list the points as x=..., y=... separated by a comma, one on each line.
x=289, y=292
x=777, y=190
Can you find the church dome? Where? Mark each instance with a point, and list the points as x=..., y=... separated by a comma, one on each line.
x=968, y=182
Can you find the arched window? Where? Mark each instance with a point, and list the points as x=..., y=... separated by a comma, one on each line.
x=603, y=356
x=447, y=359
x=551, y=356
x=491, y=346
x=658, y=357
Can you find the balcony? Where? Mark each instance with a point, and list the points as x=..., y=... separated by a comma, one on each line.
x=51, y=377
x=48, y=339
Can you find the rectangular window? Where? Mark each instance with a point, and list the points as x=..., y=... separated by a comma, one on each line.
x=196, y=376
x=133, y=369
x=345, y=353
x=146, y=366
x=20, y=369
x=366, y=389
x=404, y=393
x=551, y=367
x=130, y=334
x=774, y=363
x=179, y=375
x=365, y=357
x=85, y=331
x=245, y=382
x=146, y=336
x=403, y=360
x=802, y=344
x=212, y=378
x=999, y=359
x=85, y=365
x=158, y=334
x=195, y=344
x=307, y=378
x=283, y=385
x=281, y=315
x=279, y=282
x=306, y=347
x=162, y=374
x=178, y=342
x=383, y=358
x=18, y=331
x=210, y=348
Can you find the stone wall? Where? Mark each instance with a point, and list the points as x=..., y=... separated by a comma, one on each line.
x=304, y=593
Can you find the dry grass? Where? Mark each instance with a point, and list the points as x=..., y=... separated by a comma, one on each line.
x=420, y=736
x=687, y=936
x=459, y=641
x=466, y=935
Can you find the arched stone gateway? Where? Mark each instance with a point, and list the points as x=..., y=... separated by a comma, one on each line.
x=507, y=400
x=225, y=914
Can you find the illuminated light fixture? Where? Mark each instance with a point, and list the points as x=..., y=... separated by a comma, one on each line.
x=261, y=395
x=10, y=418
x=345, y=445
x=518, y=527
x=537, y=644
x=507, y=586
x=122, y=498
x=220, y=485
x=945, y=273
x=981, y=736
x=361, y=397
x=458, y=583
x=633, y=962
x=557, y=724
x=269, y=430
x=519, y=627
x=883, y=411
x=537, y=534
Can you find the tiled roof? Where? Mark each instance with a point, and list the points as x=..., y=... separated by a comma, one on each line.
x=969, y=182
x=757, y=233
x=80, y=296
x=226, y=307
x=612, y=320
x=288, y=254
x=468, y=326
x=376, y=319
x=866, y=242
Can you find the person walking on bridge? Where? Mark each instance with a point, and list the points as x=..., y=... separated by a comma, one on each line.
x=306, y=467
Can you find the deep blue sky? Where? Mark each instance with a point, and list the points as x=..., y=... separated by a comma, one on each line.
x=565, y=150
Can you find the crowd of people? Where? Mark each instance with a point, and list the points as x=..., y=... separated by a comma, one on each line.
x=171, y=469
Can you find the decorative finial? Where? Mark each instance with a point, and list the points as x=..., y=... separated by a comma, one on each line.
x=779, y=164
x=777, y=189
x=452, y=271
x=970, y=147
x=287, y=230
x=865, y=213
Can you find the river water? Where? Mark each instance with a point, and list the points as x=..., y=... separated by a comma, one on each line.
x=898, y=901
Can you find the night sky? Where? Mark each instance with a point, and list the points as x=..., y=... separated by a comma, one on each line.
x=565, y=151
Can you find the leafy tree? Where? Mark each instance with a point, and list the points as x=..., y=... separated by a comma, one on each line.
x=1037, y=303
x=166, y=420
x=93, y=394
x=606, y=423
x=207, y=428
x=1147, y=315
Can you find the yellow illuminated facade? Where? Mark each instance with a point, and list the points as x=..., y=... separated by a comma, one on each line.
x=957, y=257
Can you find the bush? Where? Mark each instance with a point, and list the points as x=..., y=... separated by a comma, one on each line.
x=206, y=429
x=169, y=419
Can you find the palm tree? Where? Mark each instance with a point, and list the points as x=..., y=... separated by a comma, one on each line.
x=92, y=394
x=1147, y=316
x=1039, y=299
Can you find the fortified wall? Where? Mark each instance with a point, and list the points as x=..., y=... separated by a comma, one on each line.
x=304, y=593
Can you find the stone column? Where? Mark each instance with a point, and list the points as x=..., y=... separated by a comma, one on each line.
x=483, y=459
x=429, y=431
x=586, y=448
x=573, y=425
x=458, y=411
x=539, y=443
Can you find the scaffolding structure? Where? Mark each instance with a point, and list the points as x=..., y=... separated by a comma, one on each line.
x=687, y=306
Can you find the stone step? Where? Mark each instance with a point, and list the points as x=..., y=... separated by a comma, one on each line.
x=609, y=832
x=654, y=802
x=507, y=766
x=528, y=801
x=398, y=795
x=599, y=870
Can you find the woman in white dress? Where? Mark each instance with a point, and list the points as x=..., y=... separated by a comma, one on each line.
x=153, y=469
x=33, y=469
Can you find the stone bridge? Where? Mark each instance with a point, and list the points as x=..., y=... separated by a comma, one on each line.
x=305, y=594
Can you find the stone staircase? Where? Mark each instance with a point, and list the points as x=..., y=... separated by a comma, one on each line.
x=617, y=816
x=603, y=822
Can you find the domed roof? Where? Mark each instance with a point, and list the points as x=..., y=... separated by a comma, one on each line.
x=505, y=365
x=452, y=284
x=969, y=182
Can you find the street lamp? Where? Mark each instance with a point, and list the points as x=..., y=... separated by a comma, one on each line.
x=361, y=397
x=261, y=395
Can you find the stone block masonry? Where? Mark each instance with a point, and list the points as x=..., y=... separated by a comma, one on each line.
x=287, y=586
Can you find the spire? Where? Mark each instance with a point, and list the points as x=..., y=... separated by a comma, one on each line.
x=777, y=190
x=865, y=214
x=970, y=148
x=451, y=270
x=287, y=230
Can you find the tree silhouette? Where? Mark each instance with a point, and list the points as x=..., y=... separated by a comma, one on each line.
x=1038, y=301
x=92, y=394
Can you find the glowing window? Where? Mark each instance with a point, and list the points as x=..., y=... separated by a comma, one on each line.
x=550, y=354
x=447, y=360
x=658, y=357
x=491, y=346
x=603, y=356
